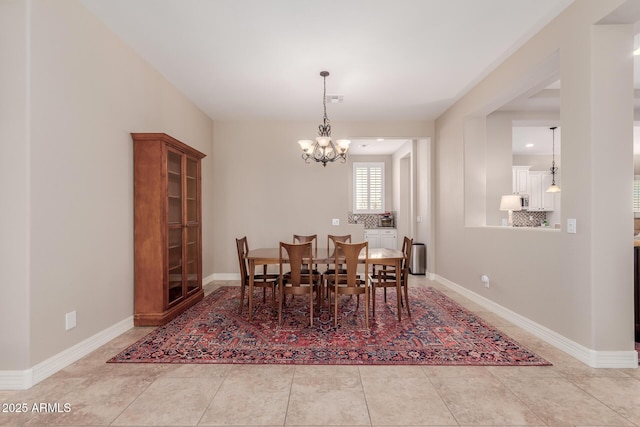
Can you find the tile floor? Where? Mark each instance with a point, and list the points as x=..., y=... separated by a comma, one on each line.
x=100, y=394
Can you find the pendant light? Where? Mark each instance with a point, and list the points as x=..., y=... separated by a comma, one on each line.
x=324, y=150
x=553, y=188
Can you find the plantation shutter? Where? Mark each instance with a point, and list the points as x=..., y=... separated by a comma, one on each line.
x=368, y=187
x=636, y=195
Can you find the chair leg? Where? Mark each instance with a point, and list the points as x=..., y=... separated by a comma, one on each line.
x=273, y=297
x=366, y=305
x=399, y=304
x=335, y=304
x=241, y=297
x=373, y=297
x=311, y=306
x=406, y=298
x=319, y=291
x=280, y=307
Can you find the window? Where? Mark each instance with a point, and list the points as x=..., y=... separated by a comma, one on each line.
x=368, y=187
x=636, y=194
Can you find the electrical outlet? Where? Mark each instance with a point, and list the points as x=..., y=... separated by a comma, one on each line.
x=70, y=320
x=485, y=279
x=335, y=221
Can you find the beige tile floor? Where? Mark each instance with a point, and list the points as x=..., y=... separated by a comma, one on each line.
x=567, y=393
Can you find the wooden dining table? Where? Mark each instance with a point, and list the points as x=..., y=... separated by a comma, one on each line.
x=378, y=256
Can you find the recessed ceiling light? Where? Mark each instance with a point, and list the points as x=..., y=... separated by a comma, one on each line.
x=335, y=99
x=529, y=145
x=380, y=139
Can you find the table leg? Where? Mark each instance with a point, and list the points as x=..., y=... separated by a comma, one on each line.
x=252, y=270
x=398, y=290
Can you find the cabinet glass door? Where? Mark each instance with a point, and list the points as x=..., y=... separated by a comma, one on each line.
x=192, y=190
x=174, y=187
x=175, y=264
x=192, y=250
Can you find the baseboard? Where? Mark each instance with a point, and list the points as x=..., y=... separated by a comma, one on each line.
x=593, y=358
x=225, y=276
x=22, y=380
x=210, y=278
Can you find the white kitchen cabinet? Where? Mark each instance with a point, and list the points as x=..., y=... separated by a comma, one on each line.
x=382, y=238
x=373, y=237
x=520, y=179
x=539, y=199
x=389, y=239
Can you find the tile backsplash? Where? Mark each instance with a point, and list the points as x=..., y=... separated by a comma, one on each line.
x=369, y=220
x=528, y=219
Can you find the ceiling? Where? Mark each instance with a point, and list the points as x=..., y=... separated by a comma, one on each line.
x=376, y=146
x=535, y=140
x=400, y=60
x=391, y=60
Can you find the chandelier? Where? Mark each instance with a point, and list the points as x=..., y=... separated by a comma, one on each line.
x=553, y=188
x=324, y=150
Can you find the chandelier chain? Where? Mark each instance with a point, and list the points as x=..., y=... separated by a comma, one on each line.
x=325, y=128
x=554, y=169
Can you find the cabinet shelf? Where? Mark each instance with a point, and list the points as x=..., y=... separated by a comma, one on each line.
x=167, y=281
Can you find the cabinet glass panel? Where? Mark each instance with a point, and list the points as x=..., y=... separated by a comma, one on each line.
x=175, y=264
x=192, y=266
x=192, y=190
x=174, y=178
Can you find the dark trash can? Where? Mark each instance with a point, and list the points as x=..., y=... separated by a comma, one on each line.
x=418, y=259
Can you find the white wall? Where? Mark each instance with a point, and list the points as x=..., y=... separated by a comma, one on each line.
x=85, y=91
x=264, y=190
x=14, y=175
x=578, y=286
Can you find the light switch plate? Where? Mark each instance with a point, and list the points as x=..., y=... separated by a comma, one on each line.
x=335, y=221
x=571, y=225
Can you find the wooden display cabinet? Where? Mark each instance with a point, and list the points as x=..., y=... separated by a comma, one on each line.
x=167, y=228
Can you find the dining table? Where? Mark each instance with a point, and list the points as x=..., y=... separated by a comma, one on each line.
x=377, y=256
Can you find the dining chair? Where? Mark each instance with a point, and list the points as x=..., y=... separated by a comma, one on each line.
x=349, y=282
x=331, y=243
x=317, y=276
x=387, y=277
x=263, y=280
x=299, y=256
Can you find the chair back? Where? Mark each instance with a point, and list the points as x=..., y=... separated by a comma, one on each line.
x=331, y=239
x=304, y=239
x=243, y=249
x=313, y=238
x=348, y=254
x=407, y=246
x=299, y=257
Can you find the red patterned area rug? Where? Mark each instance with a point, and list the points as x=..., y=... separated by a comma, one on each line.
x=440, y=332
